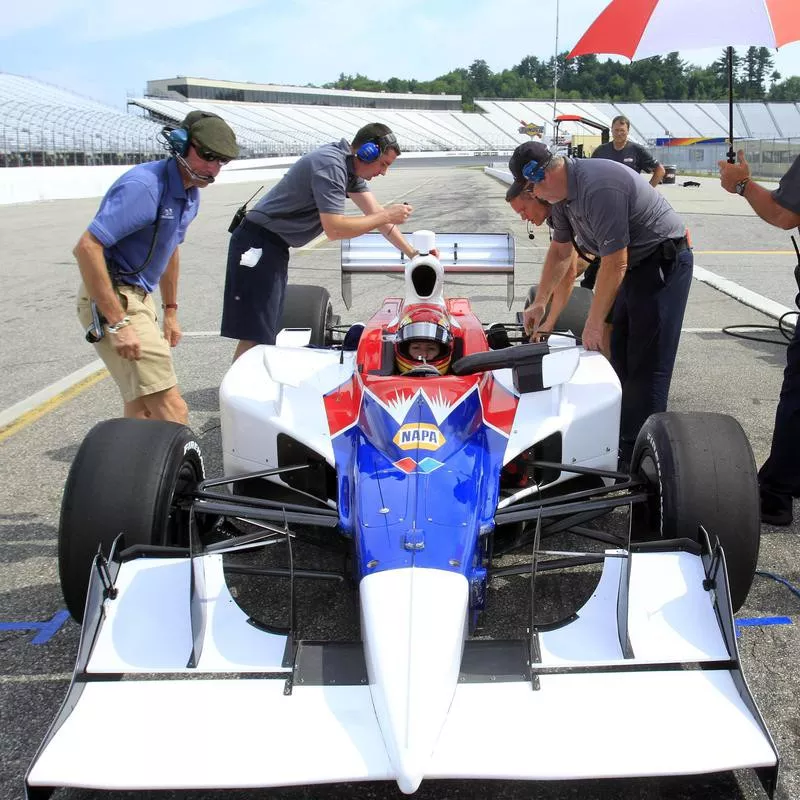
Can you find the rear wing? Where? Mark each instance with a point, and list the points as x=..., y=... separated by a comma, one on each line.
x=477, y=253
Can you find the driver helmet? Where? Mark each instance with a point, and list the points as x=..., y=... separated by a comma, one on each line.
x=424, y=337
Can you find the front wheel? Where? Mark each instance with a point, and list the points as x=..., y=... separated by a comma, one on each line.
x=129, y=476
x=701, y=471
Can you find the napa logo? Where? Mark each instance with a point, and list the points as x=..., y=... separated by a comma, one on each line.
x=421, y=435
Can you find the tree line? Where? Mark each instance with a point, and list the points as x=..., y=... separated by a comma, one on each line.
x=666, y=78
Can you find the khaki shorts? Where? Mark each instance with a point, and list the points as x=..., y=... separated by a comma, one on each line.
x=153, y=372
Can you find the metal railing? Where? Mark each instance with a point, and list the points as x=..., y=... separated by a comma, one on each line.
x=768, y=158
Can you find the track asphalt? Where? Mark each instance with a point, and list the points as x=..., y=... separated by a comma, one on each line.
x=52, y=393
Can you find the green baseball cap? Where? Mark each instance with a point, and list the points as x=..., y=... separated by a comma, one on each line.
x=212, y=133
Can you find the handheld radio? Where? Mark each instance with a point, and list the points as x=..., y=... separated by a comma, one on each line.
x=241, y=211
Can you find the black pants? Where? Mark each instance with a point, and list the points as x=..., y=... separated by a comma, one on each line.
x=647, y=319
x=779, y=478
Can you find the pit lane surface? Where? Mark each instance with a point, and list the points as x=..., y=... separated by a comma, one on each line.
x=42, y=343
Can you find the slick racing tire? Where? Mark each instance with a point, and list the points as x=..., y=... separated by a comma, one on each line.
x=574, y=315
x=308, y=307
x=127, y=477
x=700, y=470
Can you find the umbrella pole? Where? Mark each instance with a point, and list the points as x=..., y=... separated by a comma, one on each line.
x=731, y=154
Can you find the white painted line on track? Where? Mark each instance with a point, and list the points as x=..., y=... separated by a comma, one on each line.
x=745, y=296
x=48, y=393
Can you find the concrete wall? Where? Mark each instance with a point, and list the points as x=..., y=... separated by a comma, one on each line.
x=31, y=184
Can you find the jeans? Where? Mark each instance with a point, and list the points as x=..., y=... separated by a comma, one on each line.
x=647, y=318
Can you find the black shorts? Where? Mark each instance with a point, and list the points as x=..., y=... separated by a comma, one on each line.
x=254, y=295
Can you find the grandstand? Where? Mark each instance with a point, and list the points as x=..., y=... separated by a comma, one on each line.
x=44, y=125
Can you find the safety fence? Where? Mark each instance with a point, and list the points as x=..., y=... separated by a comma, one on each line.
x=768, y=158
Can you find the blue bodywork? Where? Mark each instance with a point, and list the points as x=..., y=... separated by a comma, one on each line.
x=417, y=492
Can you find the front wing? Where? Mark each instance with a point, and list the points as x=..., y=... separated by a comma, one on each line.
x=176, y=689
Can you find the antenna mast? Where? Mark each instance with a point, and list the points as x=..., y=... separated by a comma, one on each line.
x=555, y=69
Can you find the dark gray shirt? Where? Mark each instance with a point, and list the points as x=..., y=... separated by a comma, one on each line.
x=632, y=155
x=609, y=207
x=788, y=192
x=318, y=182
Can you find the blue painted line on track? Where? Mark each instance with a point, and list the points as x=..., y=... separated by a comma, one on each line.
x=758, y=622
x=46, y=630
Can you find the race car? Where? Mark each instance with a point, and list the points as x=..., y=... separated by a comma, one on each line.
x=438, y=478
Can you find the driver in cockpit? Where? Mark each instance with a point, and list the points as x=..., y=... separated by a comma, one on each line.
x=424, y=338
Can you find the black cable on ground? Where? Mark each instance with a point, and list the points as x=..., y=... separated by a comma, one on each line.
x=793, y=589
x=787, y=333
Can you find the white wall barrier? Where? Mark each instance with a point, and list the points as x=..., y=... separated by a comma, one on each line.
x=31, y=184
x=501, y=173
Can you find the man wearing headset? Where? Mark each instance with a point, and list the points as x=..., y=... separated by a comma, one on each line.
x=534, y=210
x=131, y=247
x=307, y=201
x=645, y=271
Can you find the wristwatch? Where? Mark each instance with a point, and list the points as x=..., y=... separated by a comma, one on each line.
x=742, y=185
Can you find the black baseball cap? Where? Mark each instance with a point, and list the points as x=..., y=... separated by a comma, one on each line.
x=530, y=151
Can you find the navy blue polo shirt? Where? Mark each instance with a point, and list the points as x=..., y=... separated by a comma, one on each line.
x=788, y=192
x=125, y=223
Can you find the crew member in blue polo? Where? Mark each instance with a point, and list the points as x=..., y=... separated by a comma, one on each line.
x=644, y=277
x=307, y=201
x=131, y=247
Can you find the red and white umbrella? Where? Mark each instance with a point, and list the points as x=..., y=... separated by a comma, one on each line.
x=643, y=28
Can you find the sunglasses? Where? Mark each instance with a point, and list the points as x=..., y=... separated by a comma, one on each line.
x=209, y=155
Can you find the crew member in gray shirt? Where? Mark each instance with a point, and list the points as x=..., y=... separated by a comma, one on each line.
x=307, y=201
x=626, y=152
x=644, y=277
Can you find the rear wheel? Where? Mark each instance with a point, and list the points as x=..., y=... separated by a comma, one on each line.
x=574, y=315
x=701, y=471
x=308, y=307
x=129, y=476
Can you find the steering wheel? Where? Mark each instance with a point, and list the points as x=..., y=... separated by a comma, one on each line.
x=422, y=371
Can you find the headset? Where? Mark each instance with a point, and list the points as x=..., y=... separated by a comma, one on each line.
x=533, y=172
x=371, y=151
x=177, y=141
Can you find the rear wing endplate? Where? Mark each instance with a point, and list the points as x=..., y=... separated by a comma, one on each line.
x=477, y=253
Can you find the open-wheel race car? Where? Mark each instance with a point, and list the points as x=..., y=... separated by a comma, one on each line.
x=438, y=479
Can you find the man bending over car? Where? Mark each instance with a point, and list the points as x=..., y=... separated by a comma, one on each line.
x=307, y=201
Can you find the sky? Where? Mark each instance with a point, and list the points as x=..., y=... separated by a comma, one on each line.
x=108, y=49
